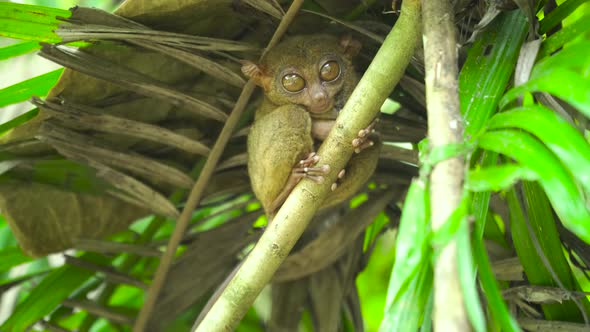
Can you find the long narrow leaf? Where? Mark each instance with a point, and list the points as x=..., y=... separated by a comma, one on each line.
x=412, y=244
x=559, y=14
x=39, y=86
x=572, y=87
x=32, y=13
x=488, y=68
x=558, y=183
x=535, y=268
x=17, y=49
x=565, y=35
x=489, y=284
x=11, y=257
x=48, y=294
x=467, y=274
x=23, y=118
x=557, y=134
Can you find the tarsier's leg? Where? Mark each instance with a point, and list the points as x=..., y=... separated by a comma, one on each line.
x=277, y=143
x=305, y=168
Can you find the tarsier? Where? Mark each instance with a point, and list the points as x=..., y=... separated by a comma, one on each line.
x=306, y=82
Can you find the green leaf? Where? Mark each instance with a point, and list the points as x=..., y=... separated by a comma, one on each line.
x=565, y=35
x=488, y=282
x=30, y=22
x=374, y=230
x=543, y=228
x=488, y=68
x=11, y=257
x=559, y=14
x=19, y=120
x=496, y=178
x=49, y=293
x=39, y=86
x=467, y=275
x=572, y=87
x=557, y=134
x=407, y=312
x=448, y=230
x=412, y=242
x=17, y=49
x=574, y=56
x=566, y=198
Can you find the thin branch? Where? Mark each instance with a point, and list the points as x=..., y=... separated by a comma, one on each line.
x=199, y=187
x=445, y=126
x=291, y=220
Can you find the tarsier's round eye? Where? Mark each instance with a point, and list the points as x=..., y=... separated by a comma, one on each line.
x=330, y=71
x=293, y=82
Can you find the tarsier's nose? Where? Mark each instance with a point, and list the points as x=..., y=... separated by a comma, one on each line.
x=320, y=101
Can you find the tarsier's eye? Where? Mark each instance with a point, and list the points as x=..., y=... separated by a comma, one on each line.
x=330, y=71
x=293, y=82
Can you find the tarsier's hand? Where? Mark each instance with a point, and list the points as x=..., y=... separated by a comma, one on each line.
x=362, y=140
x=306, y=168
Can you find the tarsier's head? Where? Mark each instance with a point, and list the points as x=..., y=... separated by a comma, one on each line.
x=314, y=71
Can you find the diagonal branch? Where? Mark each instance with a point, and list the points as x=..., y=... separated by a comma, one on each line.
x=199, y=187
x=291, y=220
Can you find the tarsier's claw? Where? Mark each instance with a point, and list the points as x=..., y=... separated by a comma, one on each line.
x=334, y=186
x=341, y=174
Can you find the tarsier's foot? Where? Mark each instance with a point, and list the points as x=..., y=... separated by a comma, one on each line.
x=341, y=175
x=306, y=169
x=362, y=140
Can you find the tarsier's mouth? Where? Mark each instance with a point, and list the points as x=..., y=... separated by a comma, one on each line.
x=321, y=108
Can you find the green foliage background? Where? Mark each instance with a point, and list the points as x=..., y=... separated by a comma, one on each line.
x=526, y=144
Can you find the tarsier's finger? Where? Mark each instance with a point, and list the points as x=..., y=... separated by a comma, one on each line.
x=311, y=160
x=369, y=130
x=315, y=178
x=341, y=174
x=320, y=170
x=334, y=186
x=364, y=145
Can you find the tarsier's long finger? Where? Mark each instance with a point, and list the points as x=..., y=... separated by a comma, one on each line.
x=369, y=130
x=366, y=144
x=315, y=178
x=320, y=170
x=310, y=160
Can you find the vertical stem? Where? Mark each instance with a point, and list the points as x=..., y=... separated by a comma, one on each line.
x=445, y=126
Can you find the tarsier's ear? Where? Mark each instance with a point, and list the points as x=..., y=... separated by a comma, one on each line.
x=350, y=46
x=257, y=73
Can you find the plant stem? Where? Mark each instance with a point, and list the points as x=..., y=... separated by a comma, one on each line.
x=445, y=126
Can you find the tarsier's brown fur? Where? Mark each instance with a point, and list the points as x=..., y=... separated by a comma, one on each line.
x=289, y=126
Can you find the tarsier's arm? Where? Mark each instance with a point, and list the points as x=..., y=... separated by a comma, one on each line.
x=277, y=142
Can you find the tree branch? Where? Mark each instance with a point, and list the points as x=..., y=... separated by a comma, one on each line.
x=291, y=220
x=445, y=126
